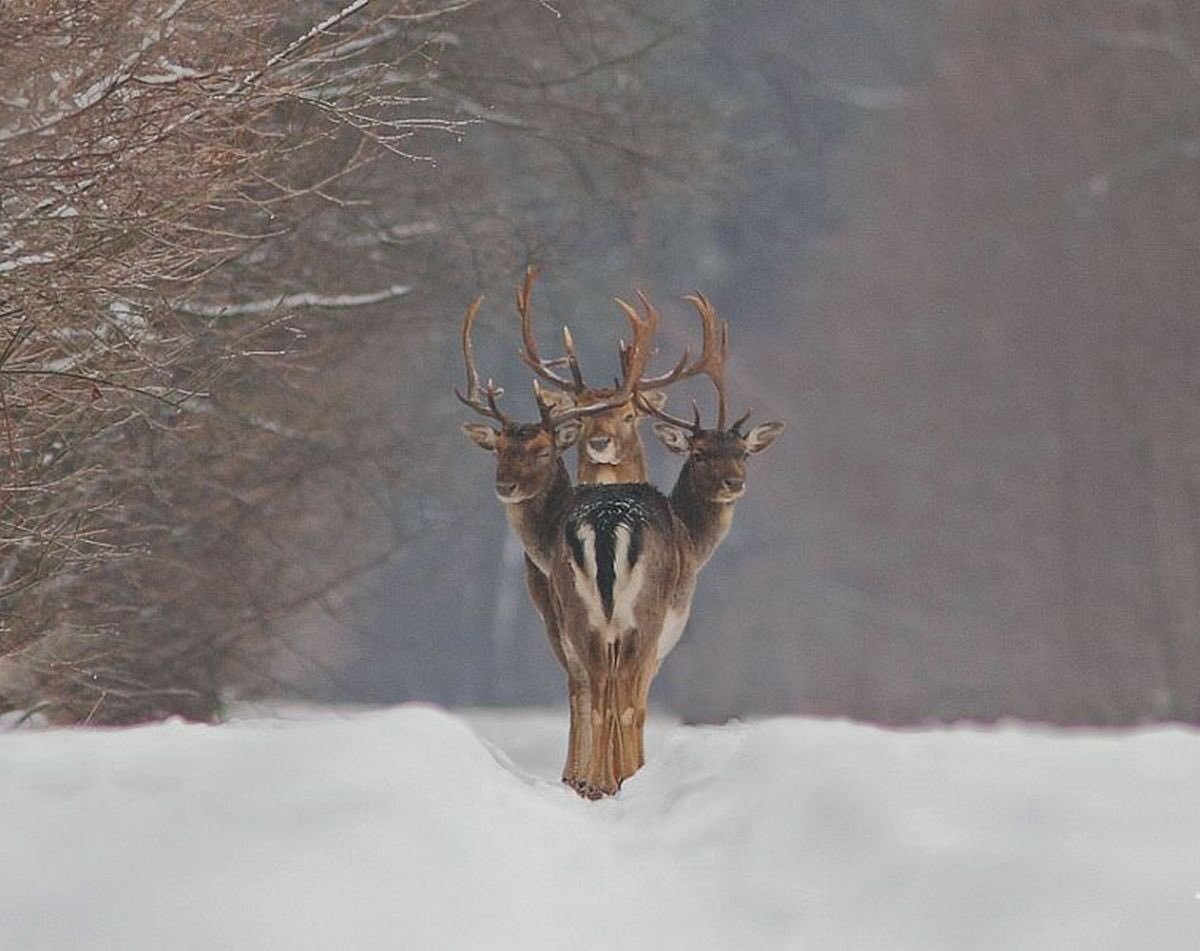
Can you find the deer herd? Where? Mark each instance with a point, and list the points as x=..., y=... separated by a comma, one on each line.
x=610, y=562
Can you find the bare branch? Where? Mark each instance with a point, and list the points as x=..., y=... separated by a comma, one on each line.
x=283, y=302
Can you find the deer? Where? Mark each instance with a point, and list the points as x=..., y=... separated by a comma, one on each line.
x=654, y=548
x=533, y=485
x=609, y=445
x=622, y=560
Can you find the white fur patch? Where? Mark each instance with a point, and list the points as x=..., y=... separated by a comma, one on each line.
x=673, y=625
x=606, y=457
x=585, y=577
x=626, y=586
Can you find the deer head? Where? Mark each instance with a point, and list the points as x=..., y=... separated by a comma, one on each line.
x=715, y=471
x=610, y=447
x=717, y=457
x=526, y=455
x=610, y=439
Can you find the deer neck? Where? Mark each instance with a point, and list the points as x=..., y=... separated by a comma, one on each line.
x=707, y=522
x=632, y=469
x=534, y=520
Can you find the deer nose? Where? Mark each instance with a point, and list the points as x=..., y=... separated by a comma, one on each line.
x=735, y=485
x=599, y=443
x=505, y=489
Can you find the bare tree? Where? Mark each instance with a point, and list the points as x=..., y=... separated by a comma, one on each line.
x=151, y=152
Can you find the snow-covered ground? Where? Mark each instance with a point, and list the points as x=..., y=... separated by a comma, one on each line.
x=415, y=829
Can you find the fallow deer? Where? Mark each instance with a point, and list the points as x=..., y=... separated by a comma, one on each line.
x=532, y=482
x=609, y=444
x=621, y=560
x=631, y=561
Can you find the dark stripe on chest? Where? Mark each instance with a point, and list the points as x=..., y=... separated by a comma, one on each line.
x=605, y=513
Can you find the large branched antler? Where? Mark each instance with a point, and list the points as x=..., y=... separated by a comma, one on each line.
x=711, y=363
x=529, y=352
x=635, y=356
x=712, y=360
x=634, y=360
x=483, y=399
x=491, y=392
x=712, y=354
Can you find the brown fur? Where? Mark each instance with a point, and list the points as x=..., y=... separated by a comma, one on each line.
x=628, y=464
x=613, y=437
x=700, y=514
x=620, y=426
x=527, y=457
x=609, y=679
x=676, y=544
x=530, y=477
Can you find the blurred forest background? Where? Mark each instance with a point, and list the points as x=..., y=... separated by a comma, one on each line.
x=958, y=244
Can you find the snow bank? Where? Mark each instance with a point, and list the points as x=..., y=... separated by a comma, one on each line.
x=403, y=829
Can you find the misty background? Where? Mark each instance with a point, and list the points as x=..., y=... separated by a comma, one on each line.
x=957, y=244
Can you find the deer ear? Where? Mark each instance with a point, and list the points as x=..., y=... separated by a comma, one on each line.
x=483, y=436
x=557, y=400
x=566, y=435
x=673, y=437
x=761, y=437
x=656, y=398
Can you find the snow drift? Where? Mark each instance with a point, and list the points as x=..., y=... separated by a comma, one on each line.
x=406, y=829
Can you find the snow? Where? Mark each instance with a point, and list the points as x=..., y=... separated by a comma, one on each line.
x=26, y=259
x=412, y=828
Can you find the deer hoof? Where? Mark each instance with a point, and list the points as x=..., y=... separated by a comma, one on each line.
x=594, y=791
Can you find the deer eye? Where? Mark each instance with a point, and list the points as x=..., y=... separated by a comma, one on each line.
x=700, y=455
x=629, y=418
x=543, y=454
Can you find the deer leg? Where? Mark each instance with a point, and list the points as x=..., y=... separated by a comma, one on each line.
x=622, y=712
x=579, y=740
x=628, y=735
x=627, y=738
x=602, y=767
x=599, y=775
x=568, y=774
x=626, y=749
x=638, y=670
x=642, y=701
x=578, y=736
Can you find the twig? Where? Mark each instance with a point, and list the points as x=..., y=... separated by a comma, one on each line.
x=291, y=301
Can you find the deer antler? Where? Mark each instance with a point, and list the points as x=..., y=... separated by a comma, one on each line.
x=634, y=359
x=679, y=372
x=529, y=353
x=641, y=349
x=711, y=355
x=483, y=399
x=711, y=363
x=491, y=392
x=712, y=360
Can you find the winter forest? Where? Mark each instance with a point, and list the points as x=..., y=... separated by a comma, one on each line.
x=957, y=245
